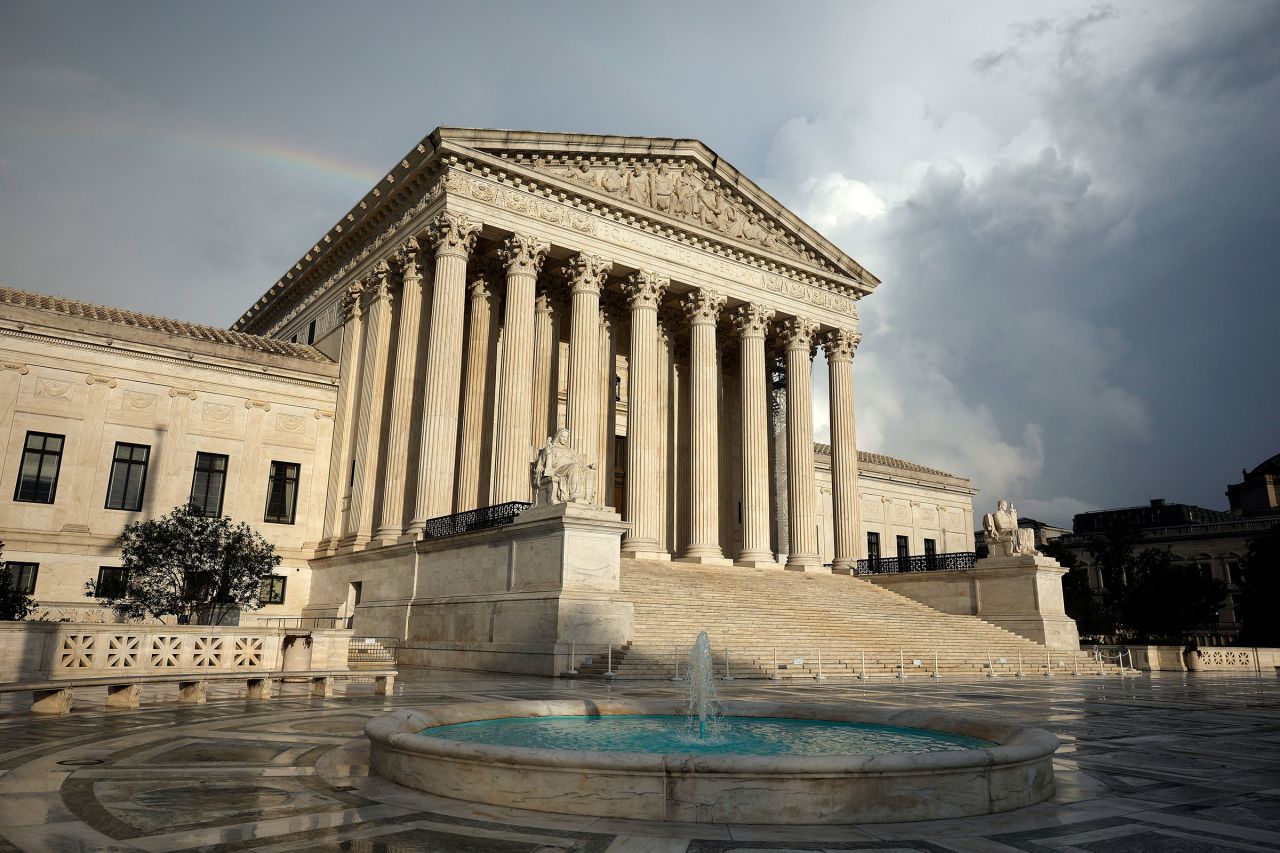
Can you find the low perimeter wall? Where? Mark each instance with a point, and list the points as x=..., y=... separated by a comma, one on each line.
x=38, y=651
x=1215, y=659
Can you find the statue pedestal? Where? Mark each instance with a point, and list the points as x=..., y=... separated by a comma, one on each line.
x=1023, y=594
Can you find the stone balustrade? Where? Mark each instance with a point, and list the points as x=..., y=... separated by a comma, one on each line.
x=57, y=650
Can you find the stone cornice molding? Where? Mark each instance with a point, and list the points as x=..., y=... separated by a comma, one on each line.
x=523, y=254
x=61, y=340
x=752, y=320
x=453, y=234
x=703, y=307
x=798, y=333
x=840, y=344
x=645, y=289
x=586, y=272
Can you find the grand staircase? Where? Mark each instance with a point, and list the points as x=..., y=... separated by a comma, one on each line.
x=812, y=625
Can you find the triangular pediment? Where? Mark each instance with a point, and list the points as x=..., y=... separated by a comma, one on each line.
x=680, y=180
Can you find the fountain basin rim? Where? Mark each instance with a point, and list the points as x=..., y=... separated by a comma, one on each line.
x=402, y=731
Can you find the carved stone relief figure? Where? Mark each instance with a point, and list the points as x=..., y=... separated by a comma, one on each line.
x=1004, y=537
x=562, y=475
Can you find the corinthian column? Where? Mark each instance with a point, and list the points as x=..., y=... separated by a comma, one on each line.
x=644, y=291
x=351, y=318
x=453, y=235
x=542, y=416
x=751, y=322
x=373, y=377
x=797, y=335
x=839, y=346
x=703, y=310
x=393, y=486
x=586, y=276
x=523, y=257
x=473, y=474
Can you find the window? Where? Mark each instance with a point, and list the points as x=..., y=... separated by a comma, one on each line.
x=282, y=493
x=904, y=547
x=311, y=332
x=931, y=553
x=22, y=576
x=112, y=582
x=207, y=484
x=128, y=476
x=272, y=591
x=1233, y=571
x=873, y=546
x=38, y=476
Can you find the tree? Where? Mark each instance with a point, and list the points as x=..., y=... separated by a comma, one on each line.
x=1163, y=601
x=14, y=604
x=188, y=564
x=1095, y=618
x=1260, y=590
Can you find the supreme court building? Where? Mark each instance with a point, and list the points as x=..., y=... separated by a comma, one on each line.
x=493, y=288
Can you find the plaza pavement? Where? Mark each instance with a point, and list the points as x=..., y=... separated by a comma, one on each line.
x=1184, y=763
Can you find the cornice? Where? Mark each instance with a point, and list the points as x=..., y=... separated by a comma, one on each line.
x=59, y=340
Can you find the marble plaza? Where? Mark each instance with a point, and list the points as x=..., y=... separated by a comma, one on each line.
x=1171, y=762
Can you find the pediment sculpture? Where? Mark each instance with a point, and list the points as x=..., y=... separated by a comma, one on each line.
x=684, y=193
x=1004, y=537
x=562, y=475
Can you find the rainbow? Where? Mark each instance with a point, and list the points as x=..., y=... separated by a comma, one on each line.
x=201, y=141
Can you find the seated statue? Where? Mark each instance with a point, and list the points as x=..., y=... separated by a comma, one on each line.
x=1004, y=537
x=562, y=475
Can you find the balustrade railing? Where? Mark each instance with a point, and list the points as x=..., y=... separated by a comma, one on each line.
x=917, y=563
x=484, y=518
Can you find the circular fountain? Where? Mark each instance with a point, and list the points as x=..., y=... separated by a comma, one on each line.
x=704, y=760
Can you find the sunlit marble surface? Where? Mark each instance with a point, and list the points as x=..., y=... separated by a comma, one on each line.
x=1182, y=763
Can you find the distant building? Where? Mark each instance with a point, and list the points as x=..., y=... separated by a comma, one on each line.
x=1044, y=533
x=1214, y=540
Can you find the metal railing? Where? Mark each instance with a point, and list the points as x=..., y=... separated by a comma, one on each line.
x=484, y=518
x=917, y=563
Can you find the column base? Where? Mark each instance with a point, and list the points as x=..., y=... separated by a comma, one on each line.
x=349, y=544
x=704, y=560
x=644, y=553
x=806, y=563
x=844, y=567
x=408, y=536
x=385, y=536
x=765, y=563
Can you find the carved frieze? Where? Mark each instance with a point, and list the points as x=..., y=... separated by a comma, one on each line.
x=53, y=389
x=139, y=400
x=216, y=413
x=288, y=423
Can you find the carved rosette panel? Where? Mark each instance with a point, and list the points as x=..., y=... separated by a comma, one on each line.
x=798, y=333
x=752, y=321
x=289, y=423
x=645, y=289
x=139, y=400
x=586, y=272
x=217, y=413
x=523, y=254
x=841, y=344
x=453, y=234
x=703, y=307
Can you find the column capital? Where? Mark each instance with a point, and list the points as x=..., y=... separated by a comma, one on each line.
x=453, y=234
x=378, y=285
x=703, y=306
x=523, y=254
x=349, y=306
x=752, y=320
x=586, y=272
x=480, y=287
x=407, y=258
x=644, y=289
x=840, y=344
x=544, y=304
x=798, y=333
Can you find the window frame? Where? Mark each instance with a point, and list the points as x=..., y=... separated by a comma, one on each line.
x=21, y=566
x=222, y=486
x=272, y=480
x=873, y=546
x=119, y=571
x=931, y=553
x=41, y=454
x=129, y=463
x=903, y=544
x=272, y=581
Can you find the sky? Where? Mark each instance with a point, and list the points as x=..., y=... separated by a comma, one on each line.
x=1074, y=209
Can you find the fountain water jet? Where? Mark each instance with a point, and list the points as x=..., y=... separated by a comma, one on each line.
x=703, y=704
